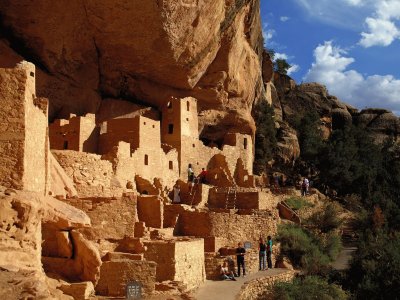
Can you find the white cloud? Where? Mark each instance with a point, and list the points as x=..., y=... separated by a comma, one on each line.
x=293, y=69
x=331, y=69
x=381, y=33
x=382, y=27
x=280, y=56
x=268, y=34
x=284, y=18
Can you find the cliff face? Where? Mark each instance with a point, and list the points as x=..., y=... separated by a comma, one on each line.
x=292, y=101
x=144, y=51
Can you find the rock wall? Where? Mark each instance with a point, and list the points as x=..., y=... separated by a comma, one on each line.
x=144, y=51
x=233, y=227
x=260, y=288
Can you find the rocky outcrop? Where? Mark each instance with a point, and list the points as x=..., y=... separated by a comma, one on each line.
x=142, y=51
x=21, y=217
x=293, y=101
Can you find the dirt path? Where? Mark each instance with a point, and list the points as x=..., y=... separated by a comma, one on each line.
x=227, y=290
x=343, y=260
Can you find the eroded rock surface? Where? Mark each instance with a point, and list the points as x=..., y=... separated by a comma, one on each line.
x=143, y=51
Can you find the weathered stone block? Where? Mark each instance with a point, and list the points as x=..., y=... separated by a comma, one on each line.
x=114, y=275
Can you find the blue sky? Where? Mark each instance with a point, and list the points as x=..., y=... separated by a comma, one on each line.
x=351, y=46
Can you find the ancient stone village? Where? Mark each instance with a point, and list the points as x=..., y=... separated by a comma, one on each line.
x=127, y=150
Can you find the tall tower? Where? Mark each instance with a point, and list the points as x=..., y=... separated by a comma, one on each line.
x=180, y=129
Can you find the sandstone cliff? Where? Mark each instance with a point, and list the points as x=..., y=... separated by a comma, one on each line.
x=291, y=101
x=141, y=51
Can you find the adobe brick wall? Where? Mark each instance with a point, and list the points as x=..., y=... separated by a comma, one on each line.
x=178, y=260
x=23, y=131
x=92, y=176
x=112, y=219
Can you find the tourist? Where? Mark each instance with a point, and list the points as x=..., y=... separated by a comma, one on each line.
x=190, y=173
x=202, y=176
x=190, y=178
x=240, y=252
x=304, y=187
x=262, y=251
x=269, y=252
x=177, y=193
x=225, y=273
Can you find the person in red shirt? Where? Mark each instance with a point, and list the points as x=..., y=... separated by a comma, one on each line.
x=202, y=176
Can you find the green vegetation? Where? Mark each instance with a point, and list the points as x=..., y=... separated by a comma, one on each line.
x=326, y=219
x=309, y=251
x=310, y=287
x=265, y=140
x=367, y=176
x=375, y=270
x=297, y=203
x=280, y=64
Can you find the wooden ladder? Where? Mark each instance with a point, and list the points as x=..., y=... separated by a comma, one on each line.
x=230, y=202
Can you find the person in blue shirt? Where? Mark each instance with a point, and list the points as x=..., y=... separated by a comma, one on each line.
x=269, y=252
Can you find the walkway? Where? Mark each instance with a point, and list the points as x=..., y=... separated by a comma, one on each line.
x=342, y=262
x=227, y=290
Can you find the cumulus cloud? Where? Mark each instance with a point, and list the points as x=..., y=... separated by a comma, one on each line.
x=284, y=18
x=382, y=27
x=331, y=68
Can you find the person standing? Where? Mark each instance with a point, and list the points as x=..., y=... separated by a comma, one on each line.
x=190, y=178
x=262, y=251
x=269, y=252
x=240, y=252
x=304, y=187
x=177, y=193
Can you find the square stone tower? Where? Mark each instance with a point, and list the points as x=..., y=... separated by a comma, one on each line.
x=180, y=129
x=23, y=131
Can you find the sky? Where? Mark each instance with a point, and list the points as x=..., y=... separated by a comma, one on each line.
x=350, y=46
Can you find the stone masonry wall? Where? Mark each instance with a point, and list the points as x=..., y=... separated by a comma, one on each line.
x=23, y=131
x=178, y=260
x=234, y=227
x=92, y=176
x=261, y=288
x=111, y=218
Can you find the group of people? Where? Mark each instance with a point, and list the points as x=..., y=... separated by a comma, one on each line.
x=192, y=180
x=265, y=260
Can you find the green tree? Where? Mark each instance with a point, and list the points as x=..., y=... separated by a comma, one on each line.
x=281, y=66
x=265, y=138
x=310, y=139
x=375, y=269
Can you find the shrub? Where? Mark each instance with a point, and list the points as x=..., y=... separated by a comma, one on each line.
x=327, y=219
x=297, y=203
x=310, y=287
x=304, y=249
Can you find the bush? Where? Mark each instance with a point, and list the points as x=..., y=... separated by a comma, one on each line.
x=310, y=287
x=327, y=219
x=297, y=203
x=306, y=250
